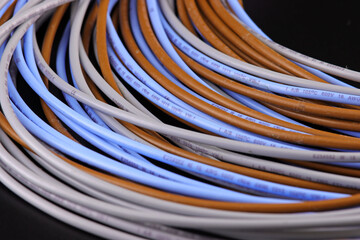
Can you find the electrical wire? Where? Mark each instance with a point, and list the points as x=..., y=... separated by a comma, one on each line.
x=155, y=120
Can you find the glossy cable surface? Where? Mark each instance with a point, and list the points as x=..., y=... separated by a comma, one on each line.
x=104, y=120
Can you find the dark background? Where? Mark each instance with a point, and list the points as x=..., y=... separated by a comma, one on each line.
x=327, y=30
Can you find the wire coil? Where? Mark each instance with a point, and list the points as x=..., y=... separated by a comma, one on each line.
x=174, y=120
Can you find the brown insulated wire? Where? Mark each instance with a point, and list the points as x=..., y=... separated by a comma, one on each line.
x=232, y=46
x=194, y=13
x=246, y=36
x=185, y=19
x=318, y=120
x=212, y=38
x=183, y=15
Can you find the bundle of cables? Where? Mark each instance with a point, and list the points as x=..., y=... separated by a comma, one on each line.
x=163, y=119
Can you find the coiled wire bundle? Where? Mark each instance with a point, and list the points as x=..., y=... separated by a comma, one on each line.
x=174, y=120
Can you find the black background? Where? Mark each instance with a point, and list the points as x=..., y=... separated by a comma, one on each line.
x=327, y=30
